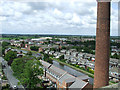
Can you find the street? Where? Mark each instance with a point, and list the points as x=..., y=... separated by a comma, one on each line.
x=9, y=74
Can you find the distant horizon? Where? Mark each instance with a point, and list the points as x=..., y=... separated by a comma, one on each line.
x=52, y=34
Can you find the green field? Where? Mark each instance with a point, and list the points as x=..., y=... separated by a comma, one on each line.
x=4, y=38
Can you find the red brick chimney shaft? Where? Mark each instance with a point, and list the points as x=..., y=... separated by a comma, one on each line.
x=101, y=75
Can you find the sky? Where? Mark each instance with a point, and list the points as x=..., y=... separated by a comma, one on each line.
x=53, y=17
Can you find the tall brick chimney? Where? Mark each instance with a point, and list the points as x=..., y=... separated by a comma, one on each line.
x=101, y=75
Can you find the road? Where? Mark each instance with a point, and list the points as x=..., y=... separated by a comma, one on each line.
x=9, y=74
x=0, y=74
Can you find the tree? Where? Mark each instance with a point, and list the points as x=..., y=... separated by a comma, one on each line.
x=38, y=58
x=34, y=48
x=10, y=55
x=27, y=70
x=31, y=73
x=63, y=47
x=17, y=39
x=18, y=66
x=4, y=44
x=53, y=49
x=29, y=53
x=61, y=57
x=47, y=58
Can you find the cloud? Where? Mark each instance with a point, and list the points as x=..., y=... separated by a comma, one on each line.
x=56, y=17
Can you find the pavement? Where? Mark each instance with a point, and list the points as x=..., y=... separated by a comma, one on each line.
x=0, y=74
x=9, y=74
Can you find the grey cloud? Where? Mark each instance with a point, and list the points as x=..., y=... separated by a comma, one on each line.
x=44, y=20
x=38, y=5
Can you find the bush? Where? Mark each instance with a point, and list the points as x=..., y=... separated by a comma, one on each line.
x=91, y=71
x=77, y=66
x=63, y=60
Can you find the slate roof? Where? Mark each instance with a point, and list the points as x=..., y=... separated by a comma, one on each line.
x=67, y=77
x=64, y=76
x=45, y=64
x=57, y=70
x=83, y=77
x=78, y=84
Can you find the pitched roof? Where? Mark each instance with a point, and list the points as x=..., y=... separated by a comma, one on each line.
x=57, y=70
x=83, y=77
x=66, y=77
x=78, y=84
x=45, y=64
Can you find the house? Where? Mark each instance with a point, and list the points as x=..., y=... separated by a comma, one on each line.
x=67, y=56
x=82, y=62
x=31, y=43
x=40, y=50
x=47, y=51
x=93, y=59
x=91, y=65
x=51, y=52
x=74, y=54
x=63, y=51
x=73, y=60
x=7, y=50
x=80, y=55
x=56, y=54
x=68, y=53
x=72, y=50
x=26, y=45
x=20, y=55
